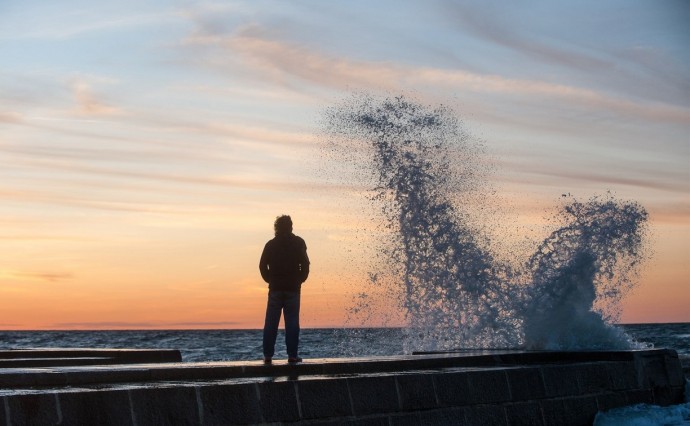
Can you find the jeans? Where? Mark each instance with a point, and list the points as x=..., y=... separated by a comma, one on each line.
x=287, y=302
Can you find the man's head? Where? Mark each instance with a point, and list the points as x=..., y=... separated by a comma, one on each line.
x=282, y=225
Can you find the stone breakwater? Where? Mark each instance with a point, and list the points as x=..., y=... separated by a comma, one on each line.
x=468, y=388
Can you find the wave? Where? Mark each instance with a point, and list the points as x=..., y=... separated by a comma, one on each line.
x=436, y=266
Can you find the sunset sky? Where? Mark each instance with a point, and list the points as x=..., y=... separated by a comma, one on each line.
x=146, y=147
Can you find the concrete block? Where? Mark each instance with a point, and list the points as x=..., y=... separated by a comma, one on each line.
x=526, y=383
x=611, y=400
x=11, y=378
x=488, y=386
x=371, y=395
x=580, y=411
x=593, y=378
x=4, y=416
x=95, y=408
x=165, y=406
x=668, y=395
x=452, y=389
x=486, y=415
x=278, y=401
x=622, y=375
x=552, y=411
x=324, y=398
x=442, y=417
x=228, y=404
x=371, y=421
x=329, y=422
x=368, y=421
x=674, y=371
x=524, y=414
x=416, y=392
x=653, y=371
x=560, y=380
x=33, y=409
x=405, y=419
x=569, y=411
x=639, y=396
x=115, y=375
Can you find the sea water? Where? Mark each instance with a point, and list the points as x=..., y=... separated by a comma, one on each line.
x=243, y=345
x=648, y=415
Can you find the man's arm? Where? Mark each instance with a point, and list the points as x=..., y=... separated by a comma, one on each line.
x=304, y=265
x=263, y=264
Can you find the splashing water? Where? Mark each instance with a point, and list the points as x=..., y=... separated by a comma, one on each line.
x=436, y=265
x=580, y=273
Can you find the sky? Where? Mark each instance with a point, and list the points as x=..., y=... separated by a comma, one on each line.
x=146, y=147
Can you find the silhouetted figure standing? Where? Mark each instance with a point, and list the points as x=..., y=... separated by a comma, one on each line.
x=284, y=265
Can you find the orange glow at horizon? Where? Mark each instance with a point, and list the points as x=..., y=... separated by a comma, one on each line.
x=217, y=284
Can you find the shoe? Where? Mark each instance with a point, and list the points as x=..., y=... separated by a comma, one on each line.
x=294, y=360
x=268, y=360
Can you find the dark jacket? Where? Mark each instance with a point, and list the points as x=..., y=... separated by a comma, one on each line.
x=284, y=263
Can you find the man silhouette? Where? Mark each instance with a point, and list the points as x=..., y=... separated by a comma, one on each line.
x=284, y=265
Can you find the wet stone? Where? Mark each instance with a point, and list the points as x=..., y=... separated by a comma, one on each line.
x=452, y=389
x=4, y=419
x=524, y=414
x=486, y=415
x=223, y=404
x=324, y=398
x=560, y=380
x=580, y=411
x=405, y=419
x=35, y=409
x=640, y=396
x=159, y=406
x=622, y=375
x=95, y=408
x=611, y=400
x=278, y=401
x=444, y=416
x=416, y=391
x=373, y=395
x=594, y=378
x=488, y=386
x=525, y=383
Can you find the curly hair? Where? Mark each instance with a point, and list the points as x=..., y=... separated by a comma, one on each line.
x=283, y=224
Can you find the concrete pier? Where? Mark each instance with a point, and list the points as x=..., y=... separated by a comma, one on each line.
x=18, y=358
x=471, y=388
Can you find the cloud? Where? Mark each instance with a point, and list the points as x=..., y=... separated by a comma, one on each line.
x=544, y=171
x=263, y=134
x=37, y=276
x=203, y=324
x=144, y=324
x=103, y=325
x=284, y=63
x=89, y=104
x=582, y=46
x=10, y=117
x=37, y=237
x=61, y=25
x=495, y=23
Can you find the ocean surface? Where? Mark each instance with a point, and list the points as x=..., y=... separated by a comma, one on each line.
x=239, y=345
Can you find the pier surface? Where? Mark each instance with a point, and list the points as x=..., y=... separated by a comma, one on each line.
x=78, y=387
